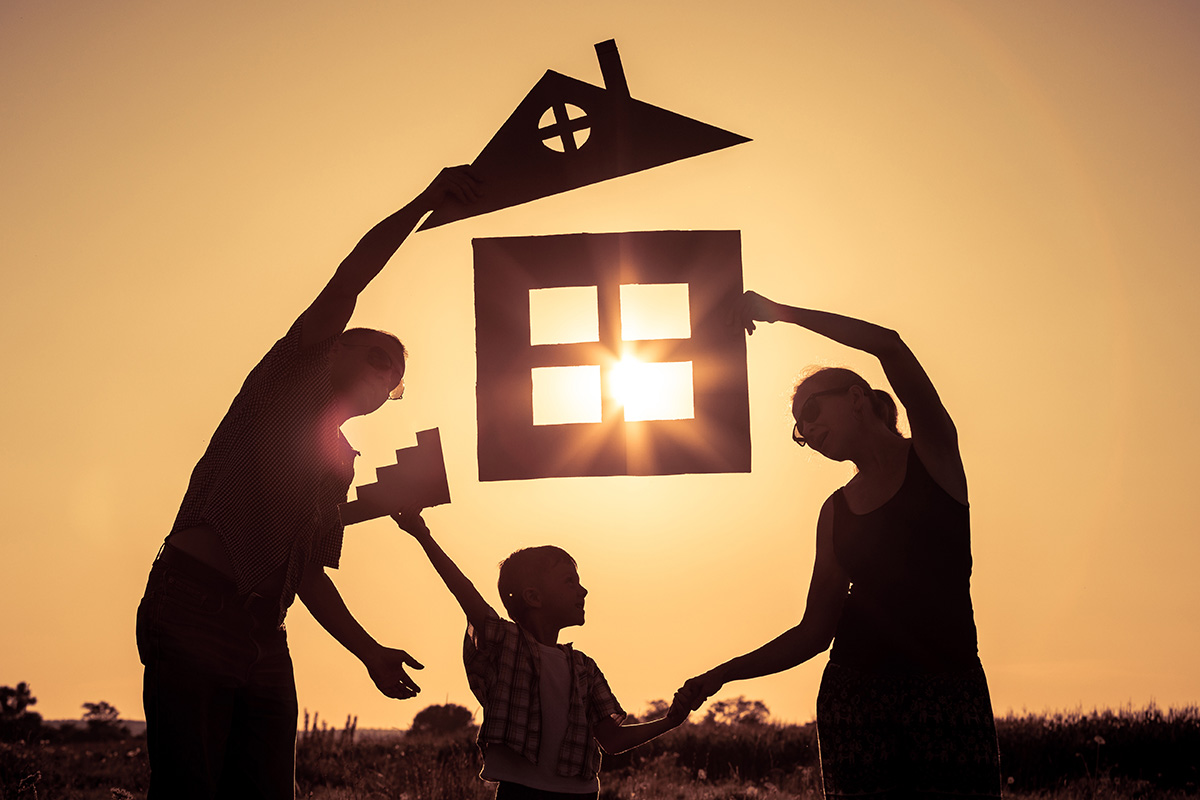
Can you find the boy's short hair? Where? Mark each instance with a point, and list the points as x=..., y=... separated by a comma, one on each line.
x=522, y=569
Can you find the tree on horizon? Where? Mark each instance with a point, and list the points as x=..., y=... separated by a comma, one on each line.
x=102, y=719
x=441, y=719
x=16, y=720
x=738, y=711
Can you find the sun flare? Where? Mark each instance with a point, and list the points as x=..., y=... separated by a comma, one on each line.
x=653, y=390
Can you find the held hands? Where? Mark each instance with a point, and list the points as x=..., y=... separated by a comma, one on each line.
x=458, y=182
x=752, y=307
x=386, y=668
x=681, y=707
x=700, y=688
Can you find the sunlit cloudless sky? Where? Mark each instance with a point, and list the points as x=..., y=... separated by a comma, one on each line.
x=1012, y=186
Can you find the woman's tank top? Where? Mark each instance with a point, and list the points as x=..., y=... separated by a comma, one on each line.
x=909, y=563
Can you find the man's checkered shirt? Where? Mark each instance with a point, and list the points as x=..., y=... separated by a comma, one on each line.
x=275, y=470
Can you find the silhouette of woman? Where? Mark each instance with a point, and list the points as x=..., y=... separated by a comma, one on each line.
x=903, y=708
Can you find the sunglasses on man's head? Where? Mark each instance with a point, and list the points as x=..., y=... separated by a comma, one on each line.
x=810, y=411
x=379, y=358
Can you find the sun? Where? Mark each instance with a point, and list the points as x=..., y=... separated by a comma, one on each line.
x=642, y=390
x=653, y=390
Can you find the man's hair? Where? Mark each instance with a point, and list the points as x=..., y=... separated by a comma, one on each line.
x=523, y=569
x=359, y=334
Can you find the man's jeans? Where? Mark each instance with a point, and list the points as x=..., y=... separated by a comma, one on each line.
x=219, y=691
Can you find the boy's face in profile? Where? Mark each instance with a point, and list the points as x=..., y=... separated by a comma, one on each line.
x=562, y=595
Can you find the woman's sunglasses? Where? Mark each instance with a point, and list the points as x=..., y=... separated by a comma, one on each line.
x=810, y=411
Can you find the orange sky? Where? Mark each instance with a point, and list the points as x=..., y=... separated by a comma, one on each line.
x=1012, y=186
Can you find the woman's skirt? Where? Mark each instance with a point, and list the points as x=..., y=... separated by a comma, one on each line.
x=897, y=735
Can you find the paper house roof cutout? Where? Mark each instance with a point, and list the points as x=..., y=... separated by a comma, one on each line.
x=704, y=265
x=418, y=478
x=567, y=133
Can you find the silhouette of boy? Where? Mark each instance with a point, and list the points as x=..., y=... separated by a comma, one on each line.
x=547, y=709
x=257, y=527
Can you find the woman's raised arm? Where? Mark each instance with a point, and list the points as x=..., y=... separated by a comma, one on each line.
x=933, y=431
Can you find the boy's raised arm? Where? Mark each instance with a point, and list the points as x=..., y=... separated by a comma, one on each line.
x=468, y=597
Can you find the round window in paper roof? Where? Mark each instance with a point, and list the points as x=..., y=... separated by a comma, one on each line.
x=564, y=128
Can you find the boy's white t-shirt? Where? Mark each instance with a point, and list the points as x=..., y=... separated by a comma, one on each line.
x=502, y=763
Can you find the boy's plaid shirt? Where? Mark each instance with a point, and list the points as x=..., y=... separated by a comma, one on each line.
x=502, y=662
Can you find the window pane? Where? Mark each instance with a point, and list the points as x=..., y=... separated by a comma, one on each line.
x=656, y=390
x=563, y=315
x=655, y=311
x=564, y=395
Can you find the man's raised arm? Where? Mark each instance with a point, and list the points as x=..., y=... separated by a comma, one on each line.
x=331, y=311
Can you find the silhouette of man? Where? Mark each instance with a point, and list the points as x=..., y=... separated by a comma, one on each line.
x=257, y=527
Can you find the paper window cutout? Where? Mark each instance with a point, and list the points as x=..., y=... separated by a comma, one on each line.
x=712, y=435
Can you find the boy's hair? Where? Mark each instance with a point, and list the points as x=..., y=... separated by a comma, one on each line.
x=522, y=570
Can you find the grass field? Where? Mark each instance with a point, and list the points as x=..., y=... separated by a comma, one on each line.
x=1146, y=753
